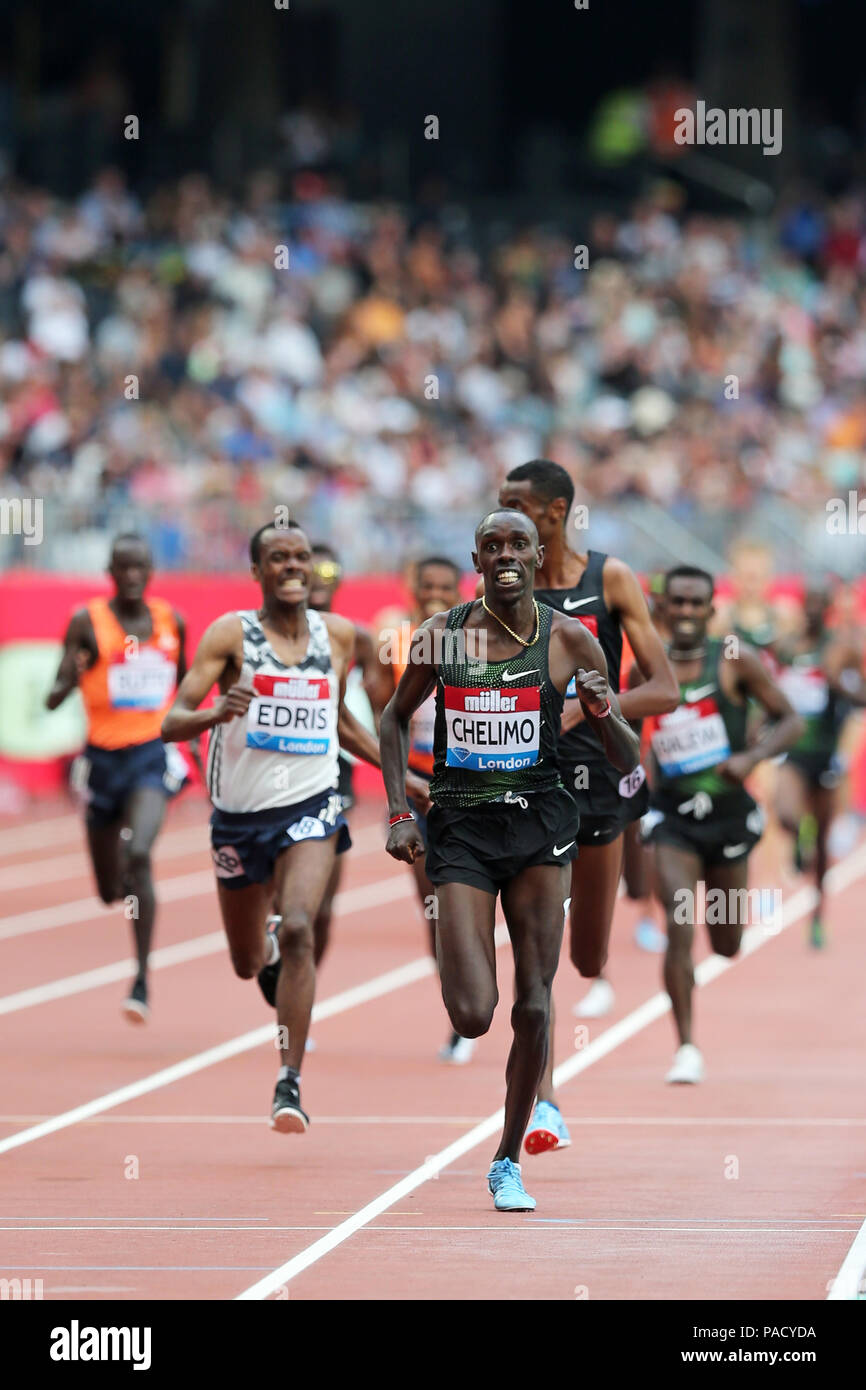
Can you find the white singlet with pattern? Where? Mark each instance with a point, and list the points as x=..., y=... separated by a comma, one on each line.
x=285, y=748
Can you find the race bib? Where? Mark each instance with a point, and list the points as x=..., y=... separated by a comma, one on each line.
x=690, y=739
x=492, y=730
x=632, y=781
x=422, y=726
x=291, y=714
x=805, y=687
x=144, y=681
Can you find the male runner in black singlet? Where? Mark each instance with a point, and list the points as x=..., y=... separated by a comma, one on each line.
x=702, y=821
x=501, y=819
x=605, y=596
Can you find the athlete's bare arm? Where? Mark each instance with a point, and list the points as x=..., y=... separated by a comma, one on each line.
x=218, y=661
x=80, y=651
x=660, y=692
x=352, y=735
x=415, y=684
x=575, y=652
x=844, y=669
x=745, y=676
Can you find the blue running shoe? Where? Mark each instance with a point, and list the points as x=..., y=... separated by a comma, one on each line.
x=547, y=1129
x=648, y=937
x=506, y=1186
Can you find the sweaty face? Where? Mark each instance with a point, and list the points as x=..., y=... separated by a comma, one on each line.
x=519, y=497
x=686, y=609
x=324, y=582
x=285, y=566
x=507, y=555
x=130, y=569
x=436, y=590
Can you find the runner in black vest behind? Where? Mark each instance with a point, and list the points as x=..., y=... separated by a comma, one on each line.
x=607, y=598
x=501, y=819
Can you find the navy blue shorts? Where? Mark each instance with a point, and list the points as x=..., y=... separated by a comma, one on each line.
x=245, y=844
x=104, y=778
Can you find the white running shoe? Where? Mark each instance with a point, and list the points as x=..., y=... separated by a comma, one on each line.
x=688, y=1067
x=598, y=1000
x=457, y=1051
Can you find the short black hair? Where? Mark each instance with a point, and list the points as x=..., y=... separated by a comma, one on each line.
x=128, y=538
x=690, y=572
x=256, y=537
x=322, y=548
x=548, y=480
x=438, y=560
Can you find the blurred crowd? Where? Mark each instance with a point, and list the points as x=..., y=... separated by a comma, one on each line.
x=191, y=361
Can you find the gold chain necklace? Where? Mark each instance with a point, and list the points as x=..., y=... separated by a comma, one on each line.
x=516, y=635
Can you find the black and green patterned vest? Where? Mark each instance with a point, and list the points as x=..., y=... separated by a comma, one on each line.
x=497, y=723
x=690, y=742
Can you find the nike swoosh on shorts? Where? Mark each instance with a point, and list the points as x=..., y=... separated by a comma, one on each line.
x=578, y=602
x=730, y=850
x=557, y=851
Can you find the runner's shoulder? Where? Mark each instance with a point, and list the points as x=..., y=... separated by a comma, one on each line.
x=621, y=584
x=225, y=634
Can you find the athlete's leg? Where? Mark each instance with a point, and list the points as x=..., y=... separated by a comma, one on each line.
x=731, y=879
x=300, y=880
x=594, y=882
x=636, y=863
x=532, y=903
x=791, y=803
x=823, y=807
x=144, y=814
x=427, y=899
x=322, y=924
x=676, y=874
x=244, y=912
x=103, y=842
x=466, y=956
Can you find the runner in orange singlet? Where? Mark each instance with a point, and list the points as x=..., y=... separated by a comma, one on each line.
x=126, y=655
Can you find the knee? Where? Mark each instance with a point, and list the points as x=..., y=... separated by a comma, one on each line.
x=245, y=966
x=138, y=864
x=295, y=934
x=471, y=1018
x=530, y=1012
x=588, y=959
x=728, y=947
x=109, y=893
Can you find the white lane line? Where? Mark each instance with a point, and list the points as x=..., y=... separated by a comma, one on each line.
x=497, y=1229
x=850, y=1283
x=633, y=1023
x=168, y=890
x=351, y=998
x=172, y=844
x=58, y=830
x=345, y=903
x=602, y=1121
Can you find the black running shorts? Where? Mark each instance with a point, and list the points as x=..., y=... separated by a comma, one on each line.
x=723, y=833
x=488, y=845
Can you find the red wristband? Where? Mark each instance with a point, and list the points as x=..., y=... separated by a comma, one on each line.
x=404, y=815
x=605, y=712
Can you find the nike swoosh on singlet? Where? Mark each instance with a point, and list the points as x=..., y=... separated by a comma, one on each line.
x=699, y=694
x=567, y=603
x=558, y=851
x=515, y=676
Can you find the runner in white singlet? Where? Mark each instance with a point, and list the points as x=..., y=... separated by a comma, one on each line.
x=277, y=822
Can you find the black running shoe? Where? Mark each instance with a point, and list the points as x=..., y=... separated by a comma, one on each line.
x=267, y=976
x=287, y=1117
x=135, y=1006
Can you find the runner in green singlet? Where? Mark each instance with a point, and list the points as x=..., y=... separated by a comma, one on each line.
x=821, y=674
x=501, y=822
x=702, y=821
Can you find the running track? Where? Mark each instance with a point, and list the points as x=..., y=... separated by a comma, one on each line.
x=137, y=1163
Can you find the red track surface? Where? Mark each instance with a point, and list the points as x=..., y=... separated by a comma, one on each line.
x=639, y=1207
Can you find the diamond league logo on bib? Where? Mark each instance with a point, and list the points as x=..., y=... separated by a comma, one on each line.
x=492, y=730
